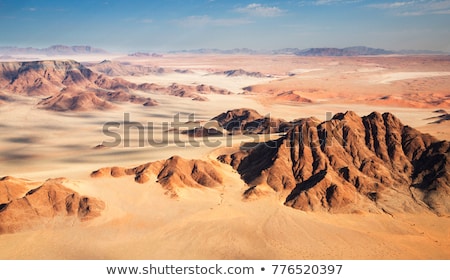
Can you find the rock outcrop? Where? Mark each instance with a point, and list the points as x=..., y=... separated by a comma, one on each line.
x=293, y=96
x=45, y=77
x=351, y=164
x=69, y=85
x=249, y=121
x=242, y=72
x=172, y=173
x=195, y=92
x=51, y=203
x=74, y=101
x=115, y=68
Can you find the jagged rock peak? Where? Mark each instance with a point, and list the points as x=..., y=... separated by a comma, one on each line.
x=372, y=163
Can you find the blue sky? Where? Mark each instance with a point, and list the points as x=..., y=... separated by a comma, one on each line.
x=138, y=25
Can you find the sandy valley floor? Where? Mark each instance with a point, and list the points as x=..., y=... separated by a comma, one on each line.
x=142, y=222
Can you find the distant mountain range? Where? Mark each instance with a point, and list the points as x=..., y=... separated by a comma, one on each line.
x=357, y=51
x=349, y=51
x=221, y=51
x=52, y=50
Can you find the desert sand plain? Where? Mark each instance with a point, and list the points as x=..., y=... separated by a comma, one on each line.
x=151, y=221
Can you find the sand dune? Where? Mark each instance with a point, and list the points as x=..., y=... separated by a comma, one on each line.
x=215, y=224
x=392, y=77
x=350, y=81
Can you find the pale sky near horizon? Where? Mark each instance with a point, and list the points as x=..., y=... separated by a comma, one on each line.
x=139, y=25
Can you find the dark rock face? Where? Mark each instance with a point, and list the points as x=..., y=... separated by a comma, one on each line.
x=249, y=121
x=350, y=163
x=237, y=118
x=242, y=72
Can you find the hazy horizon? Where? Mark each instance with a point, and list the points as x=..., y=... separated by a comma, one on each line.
x=260, y=25
x=235, y=50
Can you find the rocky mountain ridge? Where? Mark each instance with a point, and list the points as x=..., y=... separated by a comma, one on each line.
x=70, y=86
x=348, y=164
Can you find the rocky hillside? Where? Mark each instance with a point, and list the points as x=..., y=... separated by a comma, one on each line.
x=24, y=206
x=50, y=76
x=350, y=164
x=68, y=85
x=249, y=121
x=172, y=173
x=240, y=121
x=115, y=68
